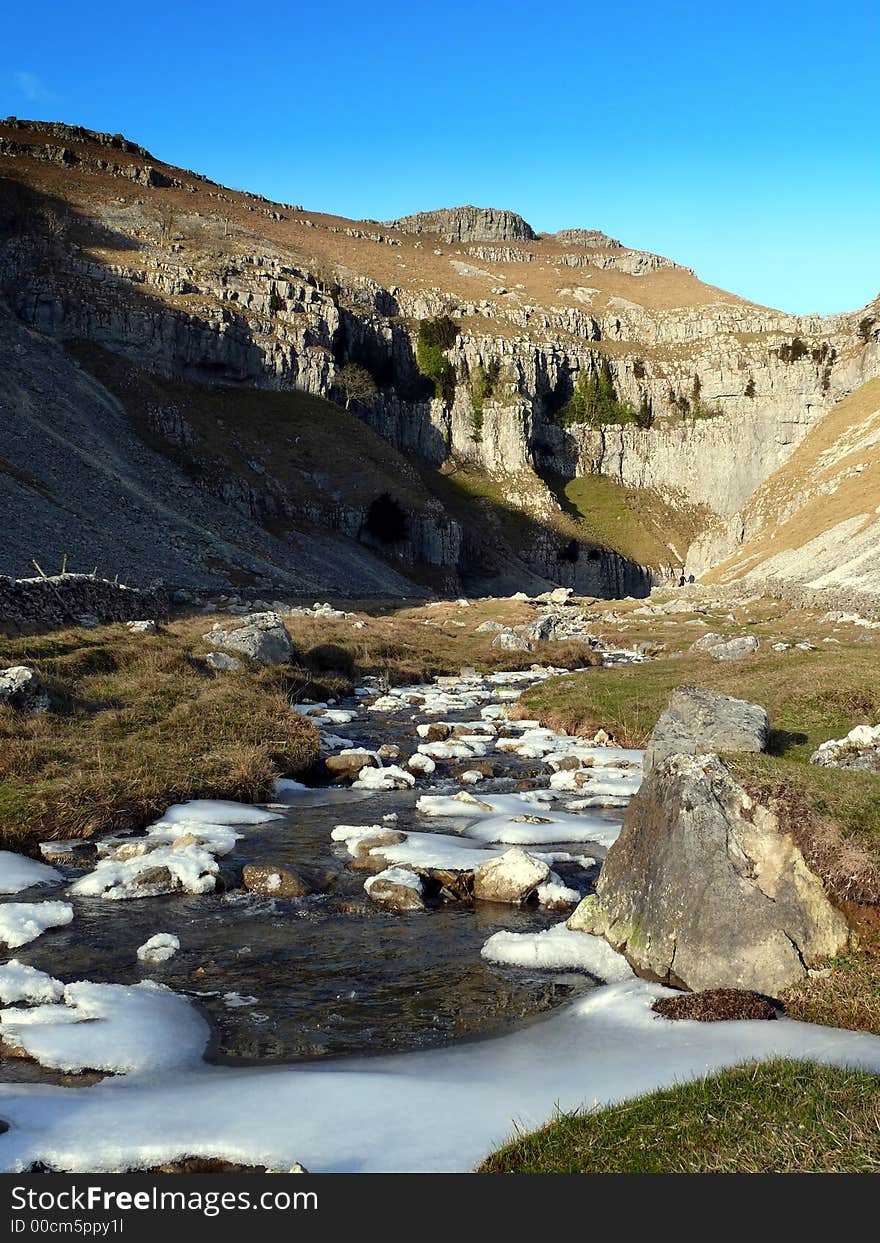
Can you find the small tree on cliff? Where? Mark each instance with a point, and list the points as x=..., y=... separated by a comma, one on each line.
x=357, y=383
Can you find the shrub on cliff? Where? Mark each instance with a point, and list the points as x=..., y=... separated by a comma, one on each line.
x=435, y=337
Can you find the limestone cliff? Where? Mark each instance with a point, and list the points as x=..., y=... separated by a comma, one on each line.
x=705, y=395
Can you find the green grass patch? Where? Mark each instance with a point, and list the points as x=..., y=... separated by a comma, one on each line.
x=773, y=1117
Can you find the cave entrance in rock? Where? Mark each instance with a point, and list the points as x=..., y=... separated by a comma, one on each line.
x=387, y=520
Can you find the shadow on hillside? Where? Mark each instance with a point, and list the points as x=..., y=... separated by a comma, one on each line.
x=782, y=740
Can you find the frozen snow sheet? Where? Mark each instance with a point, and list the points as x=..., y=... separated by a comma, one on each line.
x=217, y=811
x=19, y=982
x=514, y=832
x=115, y=1027
x=558, y=948
x=21, y=922
x=369, y=1114
x=18, y=872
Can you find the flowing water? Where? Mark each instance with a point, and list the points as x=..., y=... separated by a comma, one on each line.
x=281, y=980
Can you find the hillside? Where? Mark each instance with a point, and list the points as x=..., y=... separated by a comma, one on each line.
x=814, y=524
x=291, y=377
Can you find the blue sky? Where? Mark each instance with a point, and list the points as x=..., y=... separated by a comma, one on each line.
x=743, y=141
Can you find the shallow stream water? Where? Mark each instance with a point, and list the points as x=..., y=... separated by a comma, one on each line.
x=282, y=980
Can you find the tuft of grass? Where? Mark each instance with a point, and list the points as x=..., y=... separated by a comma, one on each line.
x=773, y=1117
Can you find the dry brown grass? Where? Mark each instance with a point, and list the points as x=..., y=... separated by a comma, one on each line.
x=140, y=721
x=846, y=995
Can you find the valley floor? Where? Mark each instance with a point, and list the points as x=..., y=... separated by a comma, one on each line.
x=139, y=720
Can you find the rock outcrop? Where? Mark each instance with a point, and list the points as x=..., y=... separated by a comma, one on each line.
x=262, y=637
x=704, y=888
x=696, y=721
x=22, y=688
x=468, y=224
x=859, y=750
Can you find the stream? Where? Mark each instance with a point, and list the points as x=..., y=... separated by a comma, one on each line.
x=281, y=980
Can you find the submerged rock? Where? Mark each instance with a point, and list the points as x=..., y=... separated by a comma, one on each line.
x=275, y=882
x=396, y=889
x=705, y=889
x=697, y=720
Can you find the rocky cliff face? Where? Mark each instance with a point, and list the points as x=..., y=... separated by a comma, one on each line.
x=200, y=283
x=468, y=224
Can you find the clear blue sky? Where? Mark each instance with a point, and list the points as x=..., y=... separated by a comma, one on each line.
x=741, y=139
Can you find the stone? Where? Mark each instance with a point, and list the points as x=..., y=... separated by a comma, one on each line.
x=22, y=688
x=859, y=750
x=396, y=889
x=734, y=649
x=347, y=765
x=489, y=627
x=158, y=880
x=388, y=751
x=706, y=641
x=275, y=882
x=143, y=627
x=697, y=720
x=222, y=662
x=512, y=877
x=704, y=888
x=510, y=642
x=262, y=636
x=76, y=852
x=543, y=628
x=421, y=764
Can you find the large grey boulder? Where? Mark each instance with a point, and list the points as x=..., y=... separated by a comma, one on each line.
x=23, y=688
x=705, y=889
x=734, y=649
x=511, y=642
x=261, y=636
x=697, y=720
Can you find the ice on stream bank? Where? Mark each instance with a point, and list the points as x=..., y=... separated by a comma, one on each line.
x=558, y=949
x=18, y=872
x=432, y=1111
x=20, y=982
x=126, y=1029
x=21, y=922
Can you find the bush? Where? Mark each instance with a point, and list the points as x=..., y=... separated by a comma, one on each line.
x=435, y=337
x=864, y=328
x=794, y=350
x=595, y=401
x=483, y=385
